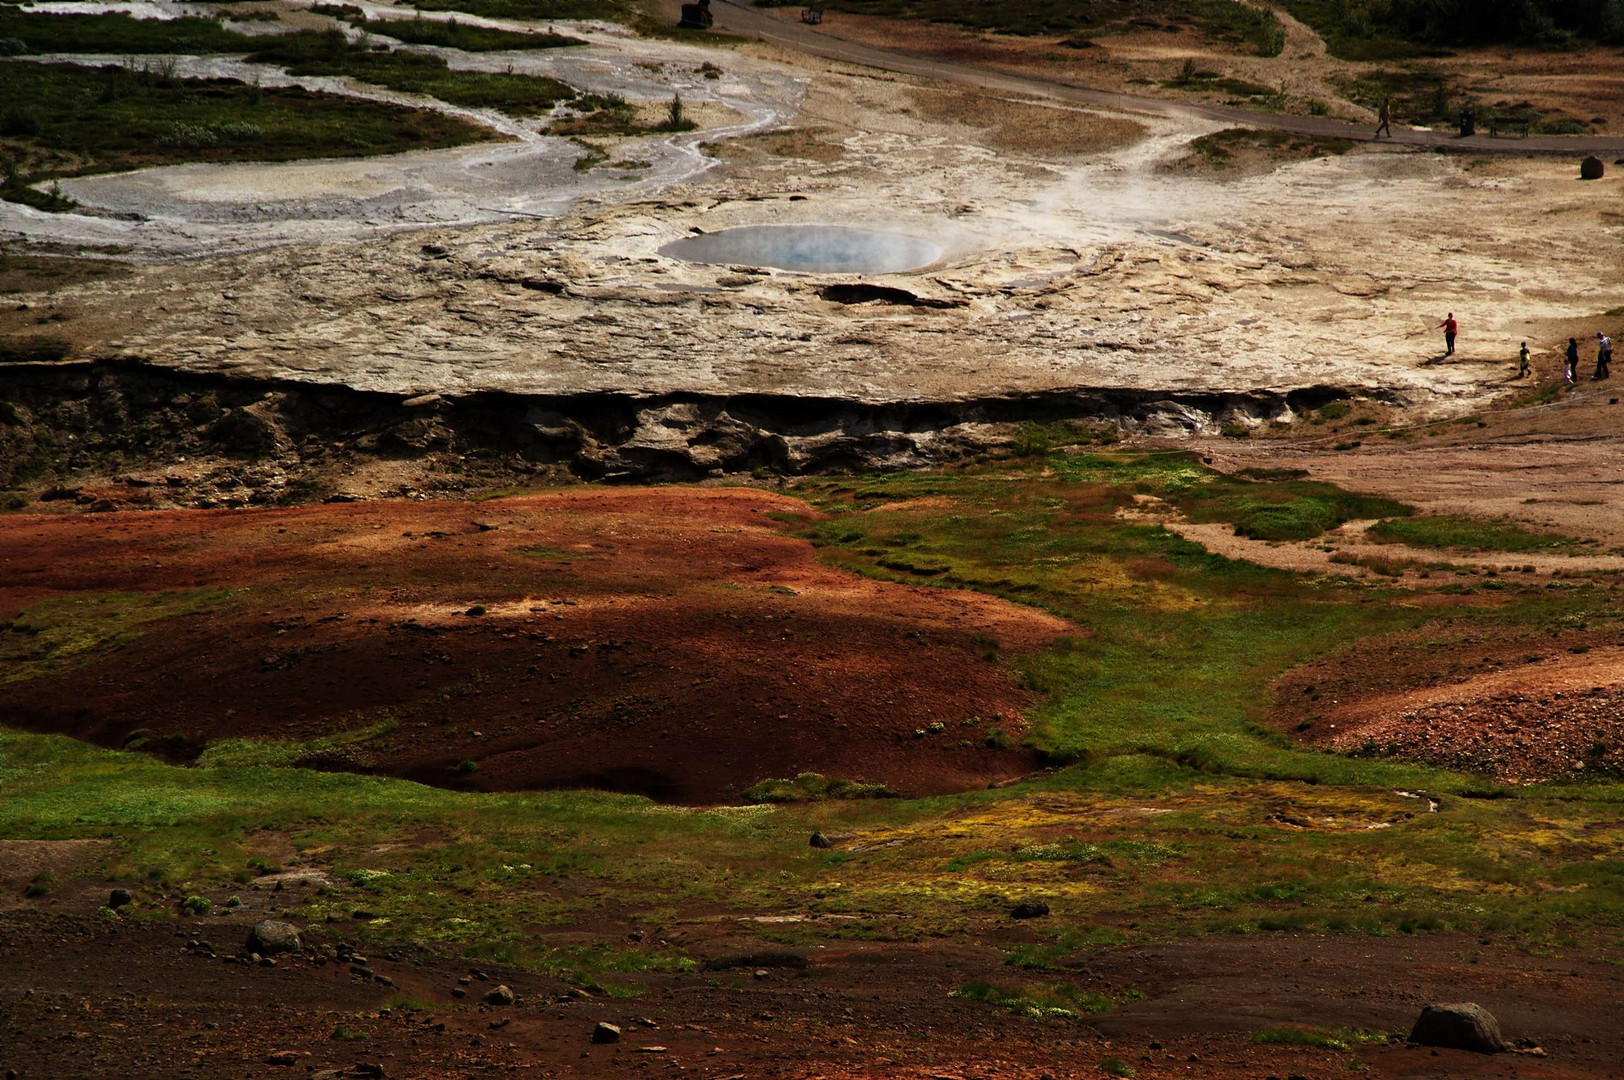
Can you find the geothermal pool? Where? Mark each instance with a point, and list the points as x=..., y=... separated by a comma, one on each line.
x=809, y=248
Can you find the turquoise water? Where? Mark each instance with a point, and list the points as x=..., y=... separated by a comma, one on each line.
x=827, y=249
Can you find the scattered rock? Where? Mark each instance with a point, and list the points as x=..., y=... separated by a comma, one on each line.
x=606, y=1033
x=458, y=992
x=282, y=1057
x=1029, y=909
x=500, y=996
x=820, y=841
x=1462, y=1026
x=272, y=937
x=119, y=898
x=1591, y=168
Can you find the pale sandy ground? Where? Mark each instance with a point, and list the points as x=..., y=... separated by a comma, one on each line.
x=1076, y=271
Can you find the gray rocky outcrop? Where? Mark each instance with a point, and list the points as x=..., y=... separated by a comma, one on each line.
x=1461, y=1026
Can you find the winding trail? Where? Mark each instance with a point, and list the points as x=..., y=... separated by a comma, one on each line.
x=736, y=18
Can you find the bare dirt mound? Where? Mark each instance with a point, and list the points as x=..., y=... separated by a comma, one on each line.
x=673, y=643
x=1523, y=710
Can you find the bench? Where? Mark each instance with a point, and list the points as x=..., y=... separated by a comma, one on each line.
x=1519, y=124
x=812, y=16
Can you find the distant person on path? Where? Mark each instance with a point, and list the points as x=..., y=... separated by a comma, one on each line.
x=1570, y=369
x=1522, y=361
x=1451, y=328
x=1385, y=118
x=1604, y=356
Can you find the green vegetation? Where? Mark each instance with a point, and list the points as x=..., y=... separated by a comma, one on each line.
x=811, y=787
x=1240, y=26
x=612, y=10
x=1329, y=1039
x=80, y=120
x=1175, y=807
x=1239, y=91
x=1222, y=148
x=53, y=632
x=330, y=53
x=1394, y=29
x=611, y=114
x=241, y=753
x=1040, y=1001
x=1465, y=534
x=117, y=34
x=446, y=33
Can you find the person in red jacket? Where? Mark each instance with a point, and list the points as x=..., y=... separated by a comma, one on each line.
x=1451, y=328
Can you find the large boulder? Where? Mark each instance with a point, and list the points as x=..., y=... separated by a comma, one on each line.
x=1463, y=1026
x=272, y=938
x=1591, y=168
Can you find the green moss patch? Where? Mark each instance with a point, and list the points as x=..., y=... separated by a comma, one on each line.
x=331, y=53
x=813, y=787
x=53, y=632
x=71, y=120
x=1465, y=534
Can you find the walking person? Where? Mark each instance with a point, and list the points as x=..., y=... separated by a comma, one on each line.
x=1450, y=328
x=1604, y=356
x=1385, y=119
x=1570, y=369
x=1522, y=361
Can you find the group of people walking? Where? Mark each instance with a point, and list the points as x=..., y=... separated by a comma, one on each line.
x=1570, y=364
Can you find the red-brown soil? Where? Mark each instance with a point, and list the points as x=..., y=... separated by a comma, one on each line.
x=1520, y=710
x=670, y=642
x=97, y=999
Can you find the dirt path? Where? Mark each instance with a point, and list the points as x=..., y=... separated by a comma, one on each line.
x=739, y=19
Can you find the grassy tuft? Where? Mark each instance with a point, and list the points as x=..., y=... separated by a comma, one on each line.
x=812, y=787
x=1465, y=534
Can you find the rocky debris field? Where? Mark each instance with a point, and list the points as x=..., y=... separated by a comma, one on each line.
x=1517, y=737
x=105, y=997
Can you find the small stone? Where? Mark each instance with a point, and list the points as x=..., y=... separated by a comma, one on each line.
x=1029, y=909
x=118, y=898
x=820, y=841
x=458, y=992
x=761, y=973
x=500, y=996
x=606, y=1033
x=383, y=980
x=282, y=1057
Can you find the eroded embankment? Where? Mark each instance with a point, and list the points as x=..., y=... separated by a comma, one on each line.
x=114, y=432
